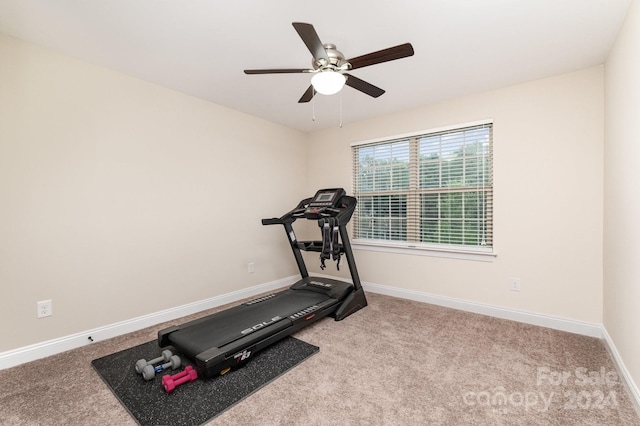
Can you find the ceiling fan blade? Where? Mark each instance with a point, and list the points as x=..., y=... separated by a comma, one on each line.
x=308, y=95
x=278, y=71
x=385, y=55
x=363, y=86
x=308, y=34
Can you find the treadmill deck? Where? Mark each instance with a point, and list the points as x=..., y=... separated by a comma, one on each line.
x=228, y=338
x=225, y=327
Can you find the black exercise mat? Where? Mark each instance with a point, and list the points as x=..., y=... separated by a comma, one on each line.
x=196, y=402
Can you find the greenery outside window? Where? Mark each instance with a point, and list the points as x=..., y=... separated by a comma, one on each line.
x=431, y=190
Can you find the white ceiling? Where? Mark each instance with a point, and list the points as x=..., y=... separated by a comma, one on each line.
x=201, y=47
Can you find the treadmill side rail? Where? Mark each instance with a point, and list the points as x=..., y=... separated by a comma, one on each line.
x=355, y=301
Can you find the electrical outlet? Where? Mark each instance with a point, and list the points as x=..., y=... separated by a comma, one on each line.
x=251, y=268
x=45, y=308
x=514, y=284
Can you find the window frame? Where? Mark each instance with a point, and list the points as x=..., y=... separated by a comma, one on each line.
x=466, y=252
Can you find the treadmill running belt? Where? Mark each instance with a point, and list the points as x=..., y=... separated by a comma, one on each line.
x=227, y=326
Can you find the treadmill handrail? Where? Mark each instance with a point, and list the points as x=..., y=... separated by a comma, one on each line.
x=290, y=216
x=345, y=209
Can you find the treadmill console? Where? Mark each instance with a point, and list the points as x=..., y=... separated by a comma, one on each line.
x=324, y=203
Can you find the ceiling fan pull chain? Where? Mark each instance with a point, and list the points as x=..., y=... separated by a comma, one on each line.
x=340, y=109
x=313, y=108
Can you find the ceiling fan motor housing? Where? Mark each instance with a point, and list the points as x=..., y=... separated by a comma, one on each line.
x=336, y=59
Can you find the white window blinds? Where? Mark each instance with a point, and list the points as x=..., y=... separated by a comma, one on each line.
x=427, y=189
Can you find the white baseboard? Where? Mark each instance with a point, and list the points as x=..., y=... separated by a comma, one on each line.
x=51, y=347
x=634, y=391
x=557, y=323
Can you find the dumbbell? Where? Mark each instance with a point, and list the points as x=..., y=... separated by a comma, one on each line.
x=149, y=371
x=171, y=382
x=142, y=363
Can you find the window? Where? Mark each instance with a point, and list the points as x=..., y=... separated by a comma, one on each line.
x=429, y=190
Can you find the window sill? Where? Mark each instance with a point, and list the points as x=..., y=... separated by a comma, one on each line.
x=480, y=255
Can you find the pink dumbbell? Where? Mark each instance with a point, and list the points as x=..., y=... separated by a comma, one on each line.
x=186, y=375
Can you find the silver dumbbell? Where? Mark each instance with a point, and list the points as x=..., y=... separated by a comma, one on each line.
x=149, y=372
x=142, y=363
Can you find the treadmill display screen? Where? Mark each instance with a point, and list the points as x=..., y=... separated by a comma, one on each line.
x=322, y=202
x=324, y=197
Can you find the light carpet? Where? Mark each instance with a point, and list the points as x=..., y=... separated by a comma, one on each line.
x=396, y=362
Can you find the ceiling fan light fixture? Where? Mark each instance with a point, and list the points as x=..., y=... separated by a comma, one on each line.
x=328, y=82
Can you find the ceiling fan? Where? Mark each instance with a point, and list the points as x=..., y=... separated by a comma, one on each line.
x=329, y=65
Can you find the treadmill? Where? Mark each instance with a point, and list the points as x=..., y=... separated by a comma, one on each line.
x=228, y=339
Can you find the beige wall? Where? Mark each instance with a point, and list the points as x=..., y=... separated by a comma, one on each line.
x=548, y=154
x=622, y=193
x=120, y=198
x=116, y=195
